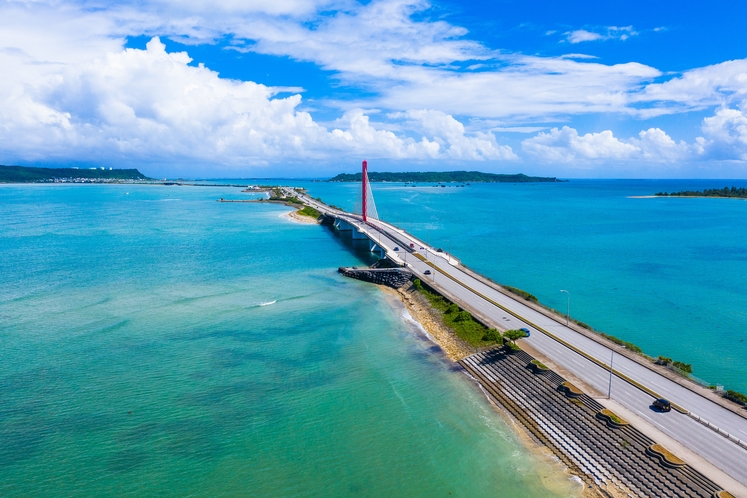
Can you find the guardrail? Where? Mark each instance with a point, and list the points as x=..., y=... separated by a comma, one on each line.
x=718, y=430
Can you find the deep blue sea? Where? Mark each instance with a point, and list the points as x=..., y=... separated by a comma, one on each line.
x=156, y=342
x=667, y=274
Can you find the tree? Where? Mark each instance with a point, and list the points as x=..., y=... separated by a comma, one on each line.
x=514, y=335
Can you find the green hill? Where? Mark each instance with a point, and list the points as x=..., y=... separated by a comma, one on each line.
x=23, y=174
x=444, y=177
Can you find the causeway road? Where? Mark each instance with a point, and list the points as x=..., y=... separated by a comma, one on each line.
x=581, y=356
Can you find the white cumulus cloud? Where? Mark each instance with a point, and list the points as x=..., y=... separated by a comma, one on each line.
x=566, y=145
x=152, y=105
x=726, y=134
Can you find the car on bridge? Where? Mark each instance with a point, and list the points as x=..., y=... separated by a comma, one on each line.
x=396, y=248
x=526, y=331
x=662, y=404
x=412, y=246
x=427, y=272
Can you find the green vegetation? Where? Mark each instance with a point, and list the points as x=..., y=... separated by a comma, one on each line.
x=679, y=366
x=23, y=174
x=460, y=321
x=627, y=345
x=514, y=335
x=737, y=192
x=685, y=367
x=539, y=364
x=524, y=294
x=443, y=177
x=736, y=396
x=492, y=336
x=309, y=211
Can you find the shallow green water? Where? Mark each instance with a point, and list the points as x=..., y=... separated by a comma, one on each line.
x=138, y=359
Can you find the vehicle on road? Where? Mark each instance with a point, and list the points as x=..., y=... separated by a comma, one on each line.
x=412, y=246
x=526, y=331
x=422, y=248
x=427, y=272
x=662, y=404
x=439, y=250
x=396, y=248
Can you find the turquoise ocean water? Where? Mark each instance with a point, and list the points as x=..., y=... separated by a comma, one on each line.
x=158, y=343
x=669, y=275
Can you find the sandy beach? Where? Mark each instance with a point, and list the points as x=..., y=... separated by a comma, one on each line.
x=456, y=349
x=431, y=321
x=299, y=218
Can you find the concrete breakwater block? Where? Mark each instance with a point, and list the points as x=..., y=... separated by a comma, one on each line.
x=393, y=277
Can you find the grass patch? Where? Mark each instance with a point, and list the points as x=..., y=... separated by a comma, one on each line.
x=539, y=364
x=572, y=389
x=310, y=212
x=513, y=346
x=613, y=417
x=668, y=455
x=460, y=321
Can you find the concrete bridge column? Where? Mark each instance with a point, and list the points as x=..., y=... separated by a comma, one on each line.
x=374, y=247
x=343, y=225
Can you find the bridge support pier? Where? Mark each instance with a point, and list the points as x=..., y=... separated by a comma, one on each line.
x=374, y=248
x=343, y=225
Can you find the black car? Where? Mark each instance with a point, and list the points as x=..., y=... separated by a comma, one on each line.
x=662, y=405
x=427, y=272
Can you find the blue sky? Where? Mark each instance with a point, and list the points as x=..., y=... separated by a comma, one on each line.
x=232, y=88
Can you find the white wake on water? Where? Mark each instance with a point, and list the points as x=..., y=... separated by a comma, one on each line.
x=268, y=303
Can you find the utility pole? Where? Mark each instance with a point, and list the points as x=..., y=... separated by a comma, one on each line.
x=609, y=391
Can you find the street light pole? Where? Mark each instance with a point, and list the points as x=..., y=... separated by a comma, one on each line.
x=609, y=391
x=568, y=314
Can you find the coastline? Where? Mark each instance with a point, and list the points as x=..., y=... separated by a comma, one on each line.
x=299, y=218
x=429, y=321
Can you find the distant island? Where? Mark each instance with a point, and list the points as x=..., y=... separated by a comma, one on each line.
x=736, y=192
x=443, y=177
x=24, y=174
